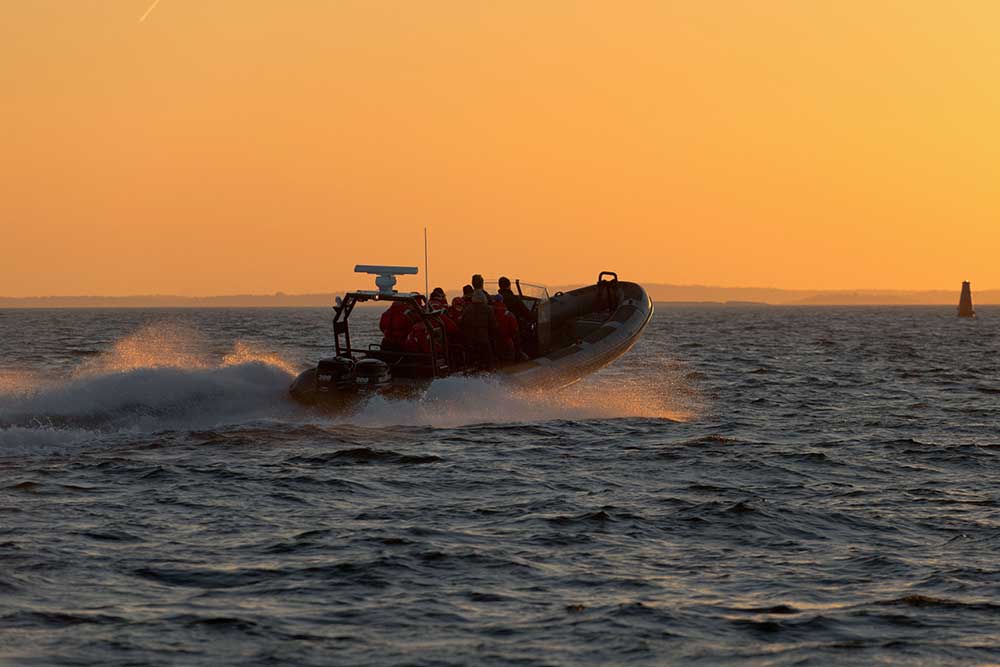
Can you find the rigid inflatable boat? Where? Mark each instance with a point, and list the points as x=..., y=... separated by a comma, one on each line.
x=570, y=334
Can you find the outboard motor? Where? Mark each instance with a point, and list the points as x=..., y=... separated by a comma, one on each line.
x=334, y=374
x=371, y=373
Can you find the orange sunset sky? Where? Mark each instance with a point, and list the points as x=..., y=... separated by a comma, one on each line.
x=226, y=146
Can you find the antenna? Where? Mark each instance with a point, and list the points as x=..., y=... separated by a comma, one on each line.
x=427, y=276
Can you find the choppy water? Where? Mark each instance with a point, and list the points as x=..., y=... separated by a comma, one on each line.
x=759, y=486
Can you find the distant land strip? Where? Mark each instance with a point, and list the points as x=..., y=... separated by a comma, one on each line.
x=659, y=292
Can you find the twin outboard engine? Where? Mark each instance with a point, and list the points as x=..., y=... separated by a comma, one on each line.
x=334, y=374
x=340, y=374
x=371, y=373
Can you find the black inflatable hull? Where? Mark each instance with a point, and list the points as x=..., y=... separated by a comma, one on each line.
x=574, y=359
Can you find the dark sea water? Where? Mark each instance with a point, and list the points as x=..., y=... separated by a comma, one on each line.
x=751, y=486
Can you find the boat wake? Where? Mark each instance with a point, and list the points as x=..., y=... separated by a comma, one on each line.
x=461, y=401
x=163, y=379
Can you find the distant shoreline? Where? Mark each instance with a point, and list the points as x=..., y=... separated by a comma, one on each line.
x=661, y=293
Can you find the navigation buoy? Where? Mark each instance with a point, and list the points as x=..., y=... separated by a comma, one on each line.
x=965, y=302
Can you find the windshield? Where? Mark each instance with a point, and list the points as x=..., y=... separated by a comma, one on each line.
x=528, y=290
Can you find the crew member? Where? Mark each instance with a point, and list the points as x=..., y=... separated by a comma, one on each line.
x=453, y=325
x=395, y=324
x=507, y=342
x=479, y=328
x=438, y=299
x=450, y=321
x=513, y=301
x=417, y=340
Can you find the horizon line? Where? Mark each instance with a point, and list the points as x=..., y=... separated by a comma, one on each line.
x=282, y=293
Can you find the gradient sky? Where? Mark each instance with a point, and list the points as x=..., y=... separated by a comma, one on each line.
x=226, y=146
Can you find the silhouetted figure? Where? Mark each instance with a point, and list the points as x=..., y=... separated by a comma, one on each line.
x=507, y=342
x=479, y=330
x=513, y=301
x=438, y=299
x=965, y=302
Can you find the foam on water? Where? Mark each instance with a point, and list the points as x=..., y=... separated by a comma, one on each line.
x=165, y=377
x=160, y=377
x=460, y=401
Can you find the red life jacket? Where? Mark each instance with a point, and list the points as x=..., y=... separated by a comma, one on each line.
x=506, y=322
x=417, y=340
x=450, y=325
x=396, y=323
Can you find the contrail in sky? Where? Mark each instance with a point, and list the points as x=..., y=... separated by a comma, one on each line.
x=151, y=8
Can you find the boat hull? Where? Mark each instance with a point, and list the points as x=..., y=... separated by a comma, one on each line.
x=590, y=328
x=578, y=358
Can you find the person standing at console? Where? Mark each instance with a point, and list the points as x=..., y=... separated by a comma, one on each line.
x=513, y=302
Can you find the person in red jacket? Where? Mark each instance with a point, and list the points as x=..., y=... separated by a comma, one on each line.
x=438, y=299
x=396, y=324
x=450, y=319
x=417, y=340
x=508, y=337
x=454, y=313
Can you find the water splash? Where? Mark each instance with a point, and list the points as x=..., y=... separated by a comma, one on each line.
x=162, y=376
x=161, y=345
x=245, y=353
x=16, y=382
x=165, y=376
x=460, y=401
